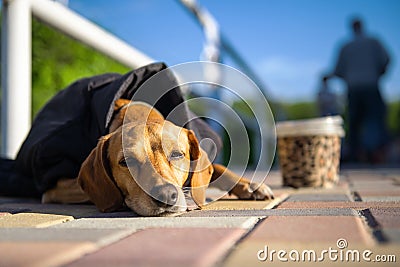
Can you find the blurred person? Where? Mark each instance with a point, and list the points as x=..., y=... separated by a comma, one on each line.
x=327, y=100
x=361, y=63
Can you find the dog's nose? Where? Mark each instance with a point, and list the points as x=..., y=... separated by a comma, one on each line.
x=165, y=195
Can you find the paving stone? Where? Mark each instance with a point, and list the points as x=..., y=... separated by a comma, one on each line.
x=311, y=229
x=373, y=185
x=160, y=222
x=301, y=233
x=386, y=250
x=364, y=176
x=273, y=212
x=235, y=204
x=387, y=217
x=372, y=178
x=335, y=190
x=318, y=197
x=381, y=199
x=370, y=174
x=393, y=235
x=166, y=247
x=373, y=190
x=316, y=212
x=245, y=254
x=376, y=193
x=335, y=204
x=32, y=220
x=41, y=254
x=98, y=236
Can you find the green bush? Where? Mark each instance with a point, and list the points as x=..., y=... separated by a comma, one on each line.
x=393, y=117
x=58, y=60
x=300, y=110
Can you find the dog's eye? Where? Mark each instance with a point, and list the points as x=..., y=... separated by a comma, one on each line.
x=125, y=162
x=175, y=155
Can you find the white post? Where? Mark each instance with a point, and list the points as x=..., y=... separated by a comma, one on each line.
x=16, y=75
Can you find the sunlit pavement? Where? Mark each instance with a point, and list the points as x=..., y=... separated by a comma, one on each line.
x=356, y=223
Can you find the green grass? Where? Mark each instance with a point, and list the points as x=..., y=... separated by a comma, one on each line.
x=58, y=60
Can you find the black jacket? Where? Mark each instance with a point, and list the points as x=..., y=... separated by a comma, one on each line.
x=70, y=124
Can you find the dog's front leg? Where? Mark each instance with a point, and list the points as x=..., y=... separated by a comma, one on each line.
x=243, y=188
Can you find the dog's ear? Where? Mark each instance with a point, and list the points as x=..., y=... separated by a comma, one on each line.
x=194, y=146
x=95, y=180
x=201, y=169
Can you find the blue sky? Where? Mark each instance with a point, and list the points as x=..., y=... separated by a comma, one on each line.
x=289, y=43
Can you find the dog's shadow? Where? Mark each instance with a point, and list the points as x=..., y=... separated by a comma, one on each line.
x=78, y=211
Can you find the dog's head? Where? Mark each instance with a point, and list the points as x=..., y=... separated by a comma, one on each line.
x=145, y=164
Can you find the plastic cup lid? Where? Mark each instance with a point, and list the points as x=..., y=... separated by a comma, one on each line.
x=331, y=125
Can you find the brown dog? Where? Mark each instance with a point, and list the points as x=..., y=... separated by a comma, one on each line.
x=145, y=162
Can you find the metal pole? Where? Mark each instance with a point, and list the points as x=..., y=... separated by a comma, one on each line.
x=16, y=75
x=204, y=18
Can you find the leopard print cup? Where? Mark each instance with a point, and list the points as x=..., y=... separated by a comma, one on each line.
x=309, y=151
x=309, y=161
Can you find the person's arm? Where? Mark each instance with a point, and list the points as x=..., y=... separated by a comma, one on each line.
x=339, y=68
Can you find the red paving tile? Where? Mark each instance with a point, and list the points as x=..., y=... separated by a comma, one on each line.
x=379, y=192
x=336, y=204
x=4, y=213
x=166, y=247
x=387, y=217
x=41, y=254
x=311, y=229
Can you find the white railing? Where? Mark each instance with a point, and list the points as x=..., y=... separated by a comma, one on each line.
x=16, y=59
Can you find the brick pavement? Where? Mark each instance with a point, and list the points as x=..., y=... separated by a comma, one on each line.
x=363, y=211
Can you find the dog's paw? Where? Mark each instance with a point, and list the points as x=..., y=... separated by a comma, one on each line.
x=247, y=190
x=261, y=191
